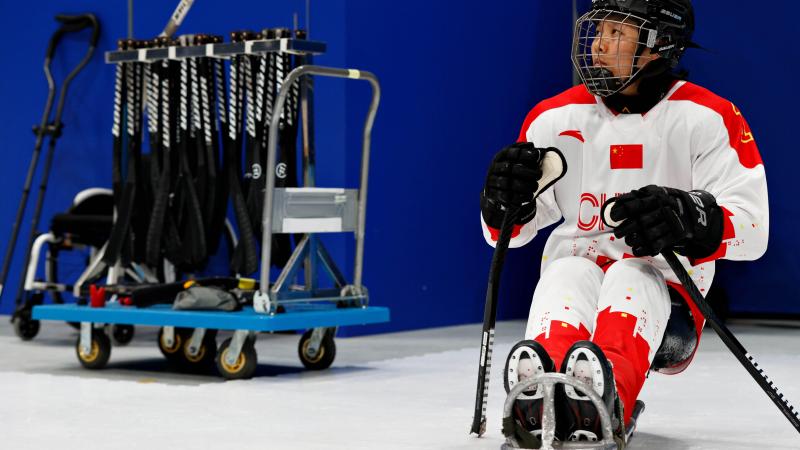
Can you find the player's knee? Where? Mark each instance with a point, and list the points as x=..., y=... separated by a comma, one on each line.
x=574, y=267
x=567, y=292
x=634, y=269
x=645, y=281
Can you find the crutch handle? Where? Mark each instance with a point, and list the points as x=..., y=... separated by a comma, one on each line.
x=74, y=24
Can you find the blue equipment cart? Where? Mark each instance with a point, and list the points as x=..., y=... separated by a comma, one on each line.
x=189, y=337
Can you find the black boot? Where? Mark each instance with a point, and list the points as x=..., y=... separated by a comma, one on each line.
x=578, y=419
x=526, y=360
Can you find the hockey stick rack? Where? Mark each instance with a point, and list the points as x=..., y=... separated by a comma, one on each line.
x=308, y=210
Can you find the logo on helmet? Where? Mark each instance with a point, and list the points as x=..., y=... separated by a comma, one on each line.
x=672, y=14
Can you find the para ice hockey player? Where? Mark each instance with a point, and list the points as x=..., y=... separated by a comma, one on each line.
x=676, y=164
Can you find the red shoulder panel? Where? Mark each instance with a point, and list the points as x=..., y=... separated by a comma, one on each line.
x=577, y=95
x=741, y=139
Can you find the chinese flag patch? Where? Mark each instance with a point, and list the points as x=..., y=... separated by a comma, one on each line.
x=626, y=156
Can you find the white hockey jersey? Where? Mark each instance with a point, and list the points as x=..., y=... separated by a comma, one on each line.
x=692, y=139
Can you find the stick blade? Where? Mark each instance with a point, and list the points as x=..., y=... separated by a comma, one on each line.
x=478, y=426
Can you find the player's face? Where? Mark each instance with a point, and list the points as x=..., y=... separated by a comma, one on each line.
x=614, y=47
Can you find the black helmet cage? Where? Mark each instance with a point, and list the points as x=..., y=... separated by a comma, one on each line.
x=665, y=27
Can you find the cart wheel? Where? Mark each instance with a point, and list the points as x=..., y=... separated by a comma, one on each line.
x=173, y=353
x=122, y=334
x=79, y=302
x=204, y=358
x=245, y=365
x=25, y=327
x=97, y=358
x=325, y=355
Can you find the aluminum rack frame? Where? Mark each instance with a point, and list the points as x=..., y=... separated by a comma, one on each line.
x=221, y=50
x=335, y=219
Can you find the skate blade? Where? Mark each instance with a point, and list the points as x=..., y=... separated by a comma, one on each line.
x=638, y=409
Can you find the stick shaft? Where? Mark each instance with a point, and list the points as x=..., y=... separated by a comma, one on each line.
x=489, y=318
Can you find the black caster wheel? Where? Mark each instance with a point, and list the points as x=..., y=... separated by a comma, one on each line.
x=245, y=365
x=204, y=359
x=97, y=358
x=173, y=353
x=122, y=334
x=25, y=327
x=324, y=355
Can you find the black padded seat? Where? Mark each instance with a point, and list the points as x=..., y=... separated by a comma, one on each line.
x=87, y=222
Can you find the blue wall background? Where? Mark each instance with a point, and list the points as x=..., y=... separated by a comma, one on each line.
x=748, y=63
x=457, y=82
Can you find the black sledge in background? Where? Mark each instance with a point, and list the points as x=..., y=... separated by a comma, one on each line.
x=53, y=129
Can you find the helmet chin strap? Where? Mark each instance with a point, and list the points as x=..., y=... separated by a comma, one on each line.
x=649, y=70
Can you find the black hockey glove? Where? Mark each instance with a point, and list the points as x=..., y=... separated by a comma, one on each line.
x=656, y=218
x=515, y=179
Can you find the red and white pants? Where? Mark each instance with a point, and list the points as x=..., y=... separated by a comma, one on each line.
x=623, y=310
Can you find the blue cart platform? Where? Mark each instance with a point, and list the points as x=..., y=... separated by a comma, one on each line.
x=188, y=338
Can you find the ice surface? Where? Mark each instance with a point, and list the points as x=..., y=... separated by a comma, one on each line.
x=400, y=391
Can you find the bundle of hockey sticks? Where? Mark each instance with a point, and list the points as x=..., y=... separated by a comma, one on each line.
x=171, y=202
x=158, y=209
x=254, y=83
x=490, y=313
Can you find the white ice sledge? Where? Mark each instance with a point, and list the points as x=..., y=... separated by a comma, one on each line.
x=548, y=383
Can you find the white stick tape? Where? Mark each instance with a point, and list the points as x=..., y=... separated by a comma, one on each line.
x=142, y=54
x=353, y=73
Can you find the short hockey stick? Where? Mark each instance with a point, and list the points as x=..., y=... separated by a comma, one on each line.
x=125, y=206
x=255, y=92
x=161, y=189
x=215, y=213
x=554, y=167
x=731, y=342
x=190, y=214
x=244, y=259
x=489, y=317
x=216, y=101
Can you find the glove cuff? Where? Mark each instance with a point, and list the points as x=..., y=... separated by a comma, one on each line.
x=493, y=212
x=707, y=237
